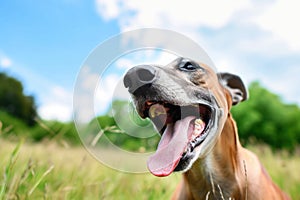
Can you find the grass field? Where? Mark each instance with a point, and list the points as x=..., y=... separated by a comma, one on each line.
x=49, y=171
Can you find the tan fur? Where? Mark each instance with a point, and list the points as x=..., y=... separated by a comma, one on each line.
x=229, y=170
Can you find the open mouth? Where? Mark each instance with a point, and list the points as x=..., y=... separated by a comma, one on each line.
x=182, y=129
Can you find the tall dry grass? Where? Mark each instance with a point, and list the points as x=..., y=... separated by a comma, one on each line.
x=50, y=171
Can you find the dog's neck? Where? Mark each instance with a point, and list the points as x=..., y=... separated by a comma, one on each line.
x=216, y=176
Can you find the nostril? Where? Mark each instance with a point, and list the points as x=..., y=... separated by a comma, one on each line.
x=145, y=74
x=139, y=78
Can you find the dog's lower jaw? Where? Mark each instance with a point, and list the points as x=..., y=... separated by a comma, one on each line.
x=203, y=149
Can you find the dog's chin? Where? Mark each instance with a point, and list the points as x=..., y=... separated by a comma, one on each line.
x=187, y=161
x=201, y=118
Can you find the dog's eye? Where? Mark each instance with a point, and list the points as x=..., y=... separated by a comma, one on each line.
x=188, y=66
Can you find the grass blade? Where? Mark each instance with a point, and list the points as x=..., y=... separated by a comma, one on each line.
x=8, y=169
x=40, y=179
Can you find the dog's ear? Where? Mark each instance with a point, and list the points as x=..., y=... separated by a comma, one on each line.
x=235, y=86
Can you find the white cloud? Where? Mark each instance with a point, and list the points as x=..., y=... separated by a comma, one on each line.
x=55, y=111
x=282, y=19
x=5, y=62
x=108, y=9
x=145, y=56
x=56, y=104
x=124, y=63
x=226, y=65
x=284, y=83
x=244, y=37
x=84, y=92
x=105, y=92
x=176, y=14
x=279, y=18
x=164, y=58
x=94, y=92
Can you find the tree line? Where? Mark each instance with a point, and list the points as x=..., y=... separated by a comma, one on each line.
x=264, y=118
x=14, y=101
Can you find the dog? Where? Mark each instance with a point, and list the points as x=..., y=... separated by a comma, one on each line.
x=189, y=105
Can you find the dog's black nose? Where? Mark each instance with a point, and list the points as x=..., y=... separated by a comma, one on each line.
x=139, y=77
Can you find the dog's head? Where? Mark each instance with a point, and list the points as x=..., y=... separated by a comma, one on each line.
x=188, y=104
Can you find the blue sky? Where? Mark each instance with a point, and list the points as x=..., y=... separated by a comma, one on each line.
x=51, y=38
x=44, y=43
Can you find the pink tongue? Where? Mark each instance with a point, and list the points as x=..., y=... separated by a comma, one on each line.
x=171, y=147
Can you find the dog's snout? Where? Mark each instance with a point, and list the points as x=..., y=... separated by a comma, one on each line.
x=139, y=76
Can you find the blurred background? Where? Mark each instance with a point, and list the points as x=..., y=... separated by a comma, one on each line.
x=44, y=43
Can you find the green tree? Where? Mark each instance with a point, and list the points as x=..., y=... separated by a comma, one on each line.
x=14, y=101
x=267, y=119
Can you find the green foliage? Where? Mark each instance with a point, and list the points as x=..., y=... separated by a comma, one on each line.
x=265, y=118
x=54, y=130
x=14, y=128
x=11, y=126
x=14, y=101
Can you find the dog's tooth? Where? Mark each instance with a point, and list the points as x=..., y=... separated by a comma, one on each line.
x=199, y=122
x=157, y=110
x=161, y=113
x=152, y=111
x=198, y=127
